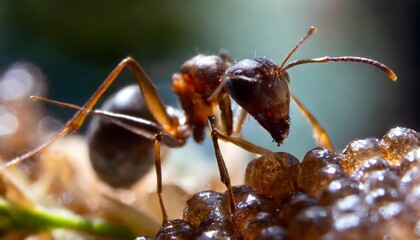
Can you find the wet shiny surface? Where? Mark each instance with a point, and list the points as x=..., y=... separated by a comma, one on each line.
x=375, y=198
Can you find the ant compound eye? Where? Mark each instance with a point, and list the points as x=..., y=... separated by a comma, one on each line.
x=238, y=72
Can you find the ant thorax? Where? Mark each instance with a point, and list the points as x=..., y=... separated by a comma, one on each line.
x=197, y=80
x=257, y=87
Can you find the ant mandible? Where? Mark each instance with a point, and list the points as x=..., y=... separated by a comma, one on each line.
x=204, y=83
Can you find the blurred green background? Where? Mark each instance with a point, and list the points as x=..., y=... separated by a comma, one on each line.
x=77, y=43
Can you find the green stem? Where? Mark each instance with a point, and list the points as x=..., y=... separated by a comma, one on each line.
x=13, y=217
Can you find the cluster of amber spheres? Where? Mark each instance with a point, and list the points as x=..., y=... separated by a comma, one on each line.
x=369, y=191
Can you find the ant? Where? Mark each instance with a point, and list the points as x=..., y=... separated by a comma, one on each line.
x=260, y=87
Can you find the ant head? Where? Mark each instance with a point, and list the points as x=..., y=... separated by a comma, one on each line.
x=246, y=79
x=255, y=70
x=259, y=89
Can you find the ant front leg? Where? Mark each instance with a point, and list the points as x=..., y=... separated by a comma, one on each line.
x=226, y=111
x=238, y=141
x=157, y=108
x=224, y=174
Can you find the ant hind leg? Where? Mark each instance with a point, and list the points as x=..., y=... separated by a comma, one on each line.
x=157, y=108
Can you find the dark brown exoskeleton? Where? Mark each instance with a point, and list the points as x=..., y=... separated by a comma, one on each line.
x=204, y=85
x=119, y=156
x=258, y=79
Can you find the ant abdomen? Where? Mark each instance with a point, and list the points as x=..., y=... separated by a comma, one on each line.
x=257, y=87
x=118, y=156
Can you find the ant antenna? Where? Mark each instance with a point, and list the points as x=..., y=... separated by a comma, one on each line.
x=311, y=31
x=326, y=59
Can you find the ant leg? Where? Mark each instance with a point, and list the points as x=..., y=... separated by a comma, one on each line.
x=226, y=111
x=158, y=168
x=224, y=174
x=135, y=125
x=240, y=115
x=240, y=142
x=172, y=142
x=320, y=135
x=146, y=86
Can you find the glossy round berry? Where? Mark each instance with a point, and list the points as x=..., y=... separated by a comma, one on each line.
x=206, y=206
x=409, y=161
x=288, y=207
x=311, y=223
x=272, y=233
x=176, y=230
x=338, y=189
x=248, y=206
x=318, y=168
x=398, y=141
x=273, y=175
x=350, y=218
x=357, y=151
x=410, y=187
x=261, y=221
x=370, y=165
x=382, y=187
x=209, y=230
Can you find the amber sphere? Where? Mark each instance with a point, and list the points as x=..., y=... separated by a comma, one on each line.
x=397, y=142
x=318, y=168
x=349, y=218
x=176, y=230
x=311, y=223
x=370, y=165
x=204, y=206
x=409, y=161
x=357, y=151
x=410, y=187
x=272, y=233
x=248, y=205
x=288, y=207
x=338, y=189
x=273, y=175
x=217, y=230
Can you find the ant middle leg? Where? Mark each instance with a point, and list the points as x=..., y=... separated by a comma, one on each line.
x=224, y=174
x=171, y=142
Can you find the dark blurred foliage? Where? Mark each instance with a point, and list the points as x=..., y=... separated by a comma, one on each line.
x=77, y=43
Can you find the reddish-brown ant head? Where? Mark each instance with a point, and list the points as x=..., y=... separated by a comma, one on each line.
x=257, y=87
